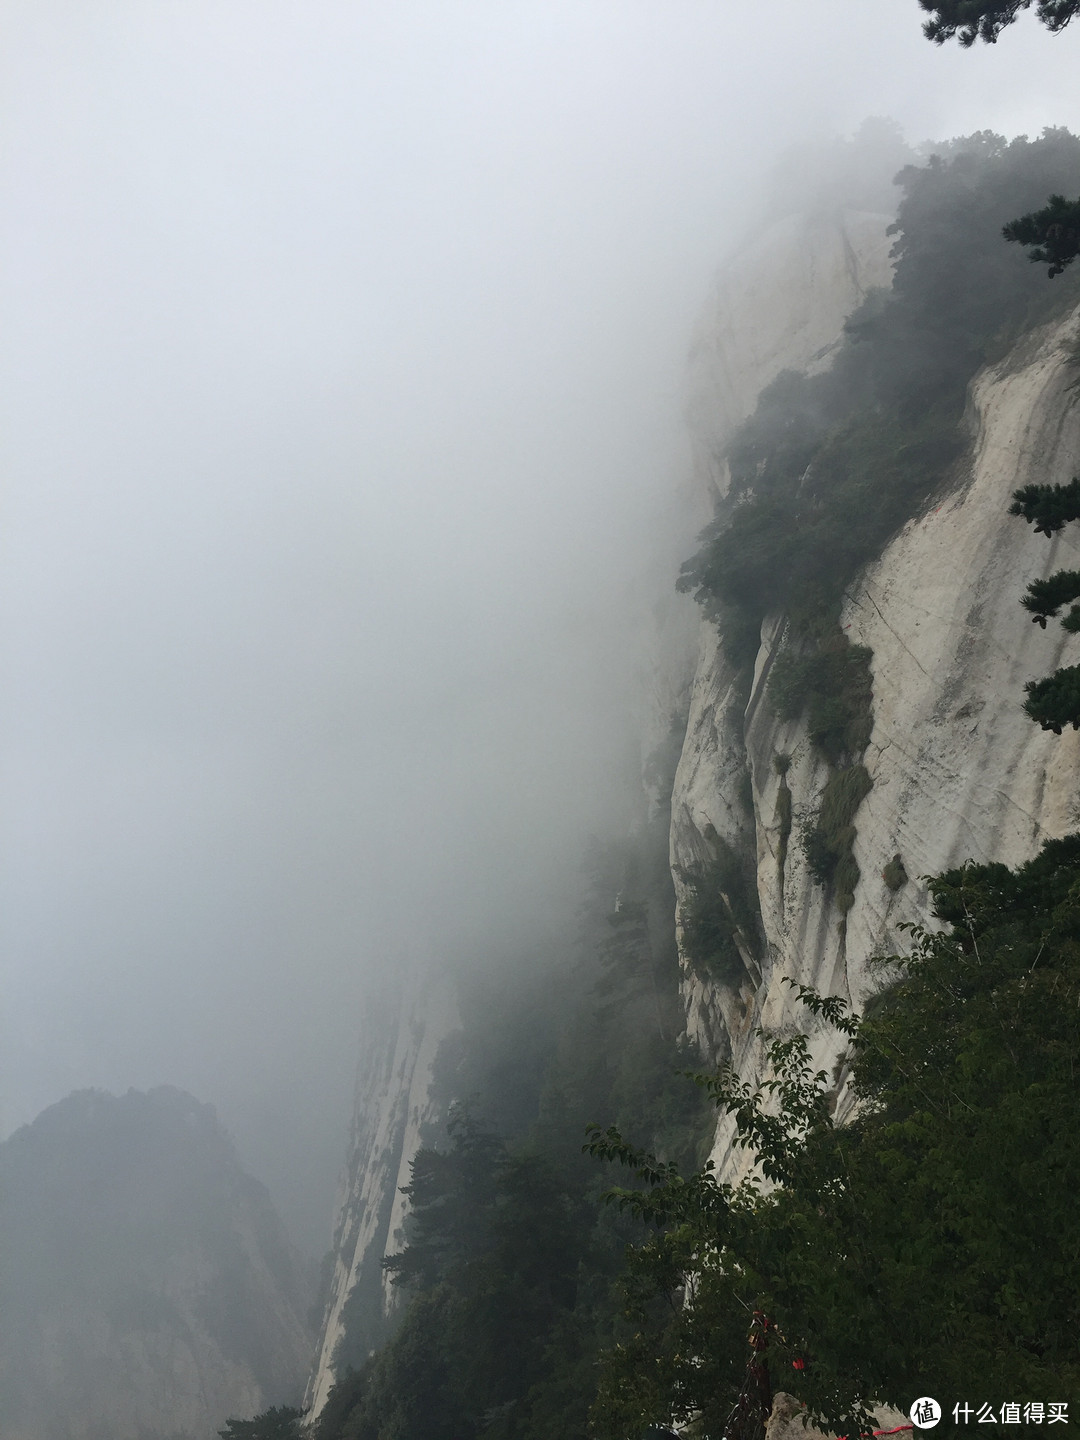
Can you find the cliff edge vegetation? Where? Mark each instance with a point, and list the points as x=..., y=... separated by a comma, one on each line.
x=933, y=1236
x=863, y=1255
x=830, y=465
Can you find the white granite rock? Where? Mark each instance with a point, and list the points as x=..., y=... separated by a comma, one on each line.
x=959, y=772
x=399, y=1039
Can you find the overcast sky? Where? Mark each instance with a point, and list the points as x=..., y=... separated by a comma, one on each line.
x=343, y=362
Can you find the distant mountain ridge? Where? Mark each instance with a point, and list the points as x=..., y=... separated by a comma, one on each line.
x=147, y=1287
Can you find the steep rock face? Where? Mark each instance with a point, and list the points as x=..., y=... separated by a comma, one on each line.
x=398, y=1043
x=780, y=306
x=958, y=770
x=148, y=1290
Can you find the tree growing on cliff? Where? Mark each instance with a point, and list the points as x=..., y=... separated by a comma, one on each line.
x=1055, y=701
x=280, y=1422
x=1052, y=237
x=1051, y=234
x=830, y=466
x=933, y=1235
x=971, y=20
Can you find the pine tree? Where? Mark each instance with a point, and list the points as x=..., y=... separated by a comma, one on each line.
x=280, y=1422
x=971, y=20
x=1052, y=233
x=1055, y=701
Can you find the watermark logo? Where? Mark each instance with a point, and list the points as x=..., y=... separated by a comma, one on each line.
x=925, y=1413
x=1013, y=1412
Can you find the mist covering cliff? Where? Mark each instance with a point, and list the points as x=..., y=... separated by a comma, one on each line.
x=945, y=764
x=149, y=1290
x=955, y=770
x=842, y=719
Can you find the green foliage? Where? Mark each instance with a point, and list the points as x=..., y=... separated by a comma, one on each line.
x=719, y=913
x=676, y=1363
x=1055, y=701
x=1052, y=234
x=1045, y=598
x=801, y=534
x=452, y=1197
x=829, y=466
x=509, y=1269
x=829, y=679
x=502, y=1267
x=1048, y=507
x=827, y=843
x=894, y=874
x=971, y=20
x=280, y=1422
x=404, y=1390
x=831, y=682
x=782, y=764
x=933, y=1235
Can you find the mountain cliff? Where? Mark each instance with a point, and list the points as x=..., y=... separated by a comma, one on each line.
x=149, y=1290
x=868, y=389
x=392, y=1112
x=781, y=307
x=822, y=266
x=954, y=769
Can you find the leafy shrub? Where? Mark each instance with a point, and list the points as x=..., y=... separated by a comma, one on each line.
x=894, y=874
x=831, y=682
x=719, y=910
x=782, y=764
x=934, y=1233
x=827, y=843
x=1054, y=701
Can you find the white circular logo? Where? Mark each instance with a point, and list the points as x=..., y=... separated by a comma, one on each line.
x=925, y=1413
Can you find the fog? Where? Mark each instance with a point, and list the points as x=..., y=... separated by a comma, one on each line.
x=343, y=363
